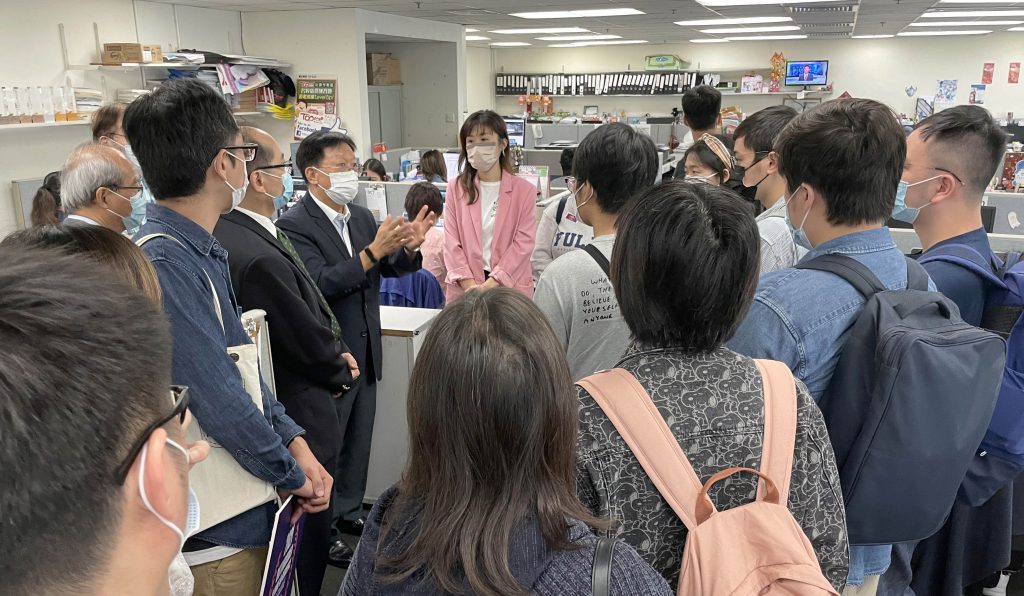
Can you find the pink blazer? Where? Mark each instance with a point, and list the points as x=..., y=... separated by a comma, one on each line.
x=515, y=228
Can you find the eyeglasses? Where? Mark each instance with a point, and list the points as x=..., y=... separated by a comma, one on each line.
x=287, y=167
x=951, y=174
x=179, y=396
x=345, y=167
x=246, y=152
x=119, y=187
x=570, y=183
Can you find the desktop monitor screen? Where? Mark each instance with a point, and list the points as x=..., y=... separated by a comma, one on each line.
x=812, y=72
x=516, y=131
x=451, y=163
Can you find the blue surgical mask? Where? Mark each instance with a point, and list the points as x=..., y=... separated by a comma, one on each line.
x=134, y=220
x=799, y=236
x=900, y=211
x=191, y=518
x=281, y=200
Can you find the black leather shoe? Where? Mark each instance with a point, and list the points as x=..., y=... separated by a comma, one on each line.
x=351, y=527
x=340, y=554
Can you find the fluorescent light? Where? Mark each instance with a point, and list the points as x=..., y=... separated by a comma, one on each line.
x=578, y=37
x=963, y=14
x=510, y=44
x=759, y=2
x=1016, y=29
x=472, y=30
x=739, y=21
x=926, y=33
x=964, y=23
x=541, y=30
x=879, y=36
x=477, y=38
x=580, y=44
x=753, y=29
x=765, y=37
x=972, y=1
x=710, y=40
x=570, y=14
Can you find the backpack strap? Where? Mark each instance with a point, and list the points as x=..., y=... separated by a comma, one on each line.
x=968, y=258
x=779, y=426
x=642, y=427
x=561, y=209
x=213, y=290
x=598, y=256
x=602, y=578
x=851, y=270
x=917, y=277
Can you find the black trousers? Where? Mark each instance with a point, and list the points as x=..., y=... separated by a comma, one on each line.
x=356, y=412
x=316, y=541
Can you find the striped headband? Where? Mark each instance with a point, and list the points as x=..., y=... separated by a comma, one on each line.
x=719, y=149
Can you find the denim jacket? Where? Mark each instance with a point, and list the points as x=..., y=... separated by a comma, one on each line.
x=200, y=361
x=802, y=318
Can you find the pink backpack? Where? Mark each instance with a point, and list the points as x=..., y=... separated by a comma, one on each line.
x=757, y=548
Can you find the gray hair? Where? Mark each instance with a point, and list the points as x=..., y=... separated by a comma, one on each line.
x=88, y=168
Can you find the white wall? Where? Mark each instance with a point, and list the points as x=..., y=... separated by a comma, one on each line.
x=479, y=79
x=878, y=68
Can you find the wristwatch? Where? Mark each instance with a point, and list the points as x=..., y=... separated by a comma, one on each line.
x=369, y=255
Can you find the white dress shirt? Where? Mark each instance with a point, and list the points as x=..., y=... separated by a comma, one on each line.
x=778, y=248
x=340, y=221
x=263, y=220
x=91, y=222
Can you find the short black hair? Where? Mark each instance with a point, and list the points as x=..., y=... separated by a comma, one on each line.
x=761, y=128
x=375, y=165
x=701, y=106
x=705, y=156
x=79, y=383
x=685, y=265
x=618, y=162
x=972, y=138
x=311, y=150
x=423, y=193
x=176, y=132
x=565, y=160
x=849, y=150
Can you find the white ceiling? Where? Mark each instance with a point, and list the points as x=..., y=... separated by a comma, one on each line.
x=821, y=20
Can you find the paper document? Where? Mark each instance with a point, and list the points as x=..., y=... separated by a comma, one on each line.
x=279, y=574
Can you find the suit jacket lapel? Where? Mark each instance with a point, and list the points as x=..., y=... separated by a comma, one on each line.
x=326, y=226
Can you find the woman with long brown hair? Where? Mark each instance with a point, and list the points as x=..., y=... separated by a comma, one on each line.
x=433, y=168
x=487, y=504
x=490, y=215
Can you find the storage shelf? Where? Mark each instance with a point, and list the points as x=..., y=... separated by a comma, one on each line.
x=782, y=93
x=250, y=113
x=724, y=94
x=180, y=65
x=42, y=125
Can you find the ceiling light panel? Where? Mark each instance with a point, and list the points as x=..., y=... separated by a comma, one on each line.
x=510, y=44
x=581, y=44
x=577, y=14
x=765, y=37
x=880, y=36
x=714, y=40
x=716, y=3
x=937, y=33
x=963, y=14
x=541, y=30
x=738, y=21
x=753, y=29
x=477, y=38
x=578, y=37
x=964, y=23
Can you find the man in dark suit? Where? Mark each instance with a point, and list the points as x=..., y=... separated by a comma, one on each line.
x=346, y=253
x=312, y=367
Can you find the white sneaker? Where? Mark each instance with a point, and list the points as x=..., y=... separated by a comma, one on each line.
x=1000, y=589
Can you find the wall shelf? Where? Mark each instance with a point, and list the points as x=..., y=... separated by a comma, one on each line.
x=43, y=125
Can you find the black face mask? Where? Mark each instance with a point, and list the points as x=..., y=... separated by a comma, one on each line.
x=741, y=171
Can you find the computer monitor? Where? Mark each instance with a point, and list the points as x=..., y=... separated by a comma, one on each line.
x=807, y=72
x=516, y=131
x=451, y=163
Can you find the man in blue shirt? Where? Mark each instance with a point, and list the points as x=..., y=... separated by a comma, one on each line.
x=951, y=157
x=194, y=161
x=842, y=162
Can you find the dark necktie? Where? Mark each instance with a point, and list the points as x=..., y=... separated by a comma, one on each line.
x=286, y=242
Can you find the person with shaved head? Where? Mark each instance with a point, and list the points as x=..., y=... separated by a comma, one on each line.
x=312, y=365
x=100, y=187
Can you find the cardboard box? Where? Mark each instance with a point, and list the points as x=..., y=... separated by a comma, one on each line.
x=119, y=53
x=382, y=69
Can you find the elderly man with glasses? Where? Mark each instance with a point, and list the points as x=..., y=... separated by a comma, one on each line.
x=99, y=187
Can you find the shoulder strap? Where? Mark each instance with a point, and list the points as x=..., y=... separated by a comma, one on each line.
x=213, y=290
x=602, y=579
x=598, y=256
x=561, y=210
x=779, y=426
x=968, y=258
x=917, y=277
x=642, y=427
x=855, y=274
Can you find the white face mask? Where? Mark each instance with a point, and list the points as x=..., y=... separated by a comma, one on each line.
x=191, y=519
x=237, y=194
x=344, y=186
x=483, y=156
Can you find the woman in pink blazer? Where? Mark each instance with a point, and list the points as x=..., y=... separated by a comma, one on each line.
x=489, y=216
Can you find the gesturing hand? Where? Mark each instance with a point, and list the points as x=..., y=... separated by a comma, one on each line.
x=419, y=227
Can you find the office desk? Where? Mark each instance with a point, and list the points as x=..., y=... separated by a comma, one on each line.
x=402, y=330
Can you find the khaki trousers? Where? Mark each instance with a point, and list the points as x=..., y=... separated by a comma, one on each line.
x=868, y=588
x=238, y=575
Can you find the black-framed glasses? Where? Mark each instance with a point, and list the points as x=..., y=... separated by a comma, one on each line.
x=951, y=174
x=119, y=187
x=246, y=152
x=179, y=395
x=286, y=165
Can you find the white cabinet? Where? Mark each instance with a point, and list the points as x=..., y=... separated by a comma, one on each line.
x=385, y=103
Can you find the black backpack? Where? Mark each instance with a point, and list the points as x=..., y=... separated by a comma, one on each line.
x=908, y=404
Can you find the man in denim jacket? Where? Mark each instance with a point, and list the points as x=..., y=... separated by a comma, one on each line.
x=842, y=162
x=192, y=155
